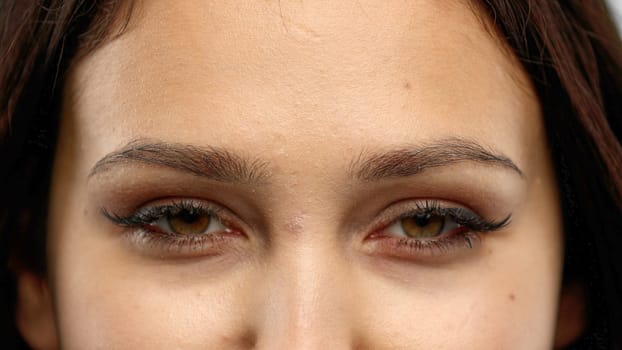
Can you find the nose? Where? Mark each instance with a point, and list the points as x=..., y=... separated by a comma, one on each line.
x=307, y=300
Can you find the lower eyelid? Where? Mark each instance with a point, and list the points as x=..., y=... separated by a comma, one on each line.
x=171, y=246
x=416, y=250
x=154, y=241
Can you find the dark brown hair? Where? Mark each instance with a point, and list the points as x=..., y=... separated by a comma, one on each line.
x=570, y=48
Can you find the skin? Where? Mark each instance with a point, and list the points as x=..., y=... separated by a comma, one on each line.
x=306, y=91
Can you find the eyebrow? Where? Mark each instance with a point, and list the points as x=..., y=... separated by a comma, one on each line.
x=213, y=163
x=221, y=165
x=410, y=161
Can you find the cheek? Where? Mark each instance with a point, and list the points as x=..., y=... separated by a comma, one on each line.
x=104, y=300
x=485, y=309
x=102, y=304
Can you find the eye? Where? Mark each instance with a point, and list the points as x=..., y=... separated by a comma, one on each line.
x=423, y=226
x=187, y=222
x=429, y=229
x=178, y=229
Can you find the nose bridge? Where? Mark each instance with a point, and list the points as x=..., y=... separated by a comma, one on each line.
x=306, y=306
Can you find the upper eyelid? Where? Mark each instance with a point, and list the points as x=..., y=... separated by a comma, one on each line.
x=404, y=208
x=396, y=211
x=134, y=219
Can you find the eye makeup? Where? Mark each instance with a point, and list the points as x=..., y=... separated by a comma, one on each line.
x=429, y=229
x=178, y=228
x=411, y=229
x=168, y=214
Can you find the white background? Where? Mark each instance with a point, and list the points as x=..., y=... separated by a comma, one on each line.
x=616, y=7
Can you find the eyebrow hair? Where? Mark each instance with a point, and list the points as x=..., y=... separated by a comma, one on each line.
x=214, y=163
x=411, y=161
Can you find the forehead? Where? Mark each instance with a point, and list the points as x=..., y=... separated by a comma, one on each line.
x=294, y=73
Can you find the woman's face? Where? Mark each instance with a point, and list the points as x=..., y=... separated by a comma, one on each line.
x=303, y=175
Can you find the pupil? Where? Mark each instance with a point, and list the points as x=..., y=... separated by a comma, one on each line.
x=422, y=219
x=187, y=217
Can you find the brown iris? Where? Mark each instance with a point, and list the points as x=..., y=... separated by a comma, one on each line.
x=187, y=223
x=423, y=225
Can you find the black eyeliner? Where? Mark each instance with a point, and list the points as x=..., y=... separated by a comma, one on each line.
x=147, y=215
x=462, y=216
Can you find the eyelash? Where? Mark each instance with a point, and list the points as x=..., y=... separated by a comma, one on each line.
x=467, y=234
